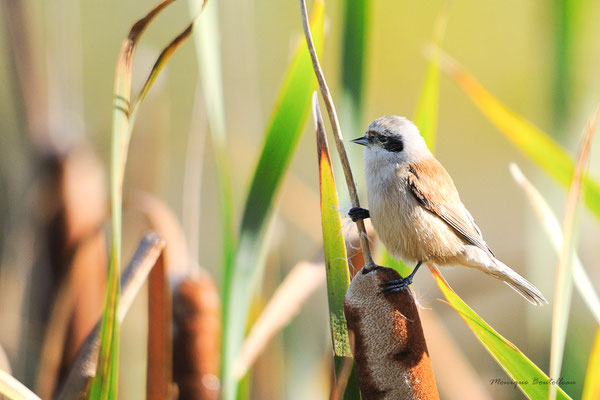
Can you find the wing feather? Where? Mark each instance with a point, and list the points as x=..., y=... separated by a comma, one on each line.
x=435, y=191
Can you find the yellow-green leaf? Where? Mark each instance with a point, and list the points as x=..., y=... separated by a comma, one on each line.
x=528, y=376
x=427, y=107
x=591, y=387
x=336, y=260
x=386, y=259
x=529, y=139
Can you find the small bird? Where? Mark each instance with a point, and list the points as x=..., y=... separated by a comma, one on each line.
x=416, y=210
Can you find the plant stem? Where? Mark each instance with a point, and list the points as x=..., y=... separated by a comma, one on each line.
x=337, y=133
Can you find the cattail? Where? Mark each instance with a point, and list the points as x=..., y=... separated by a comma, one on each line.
x=197, y=315
x=391, y=355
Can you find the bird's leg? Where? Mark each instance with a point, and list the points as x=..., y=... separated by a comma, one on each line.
x=370, y=268
x=357, y=213
x=397, y=285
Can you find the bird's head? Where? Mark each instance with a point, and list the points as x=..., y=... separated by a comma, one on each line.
x=393, y=139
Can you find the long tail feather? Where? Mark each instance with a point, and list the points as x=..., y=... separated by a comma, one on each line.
x=520, y=284
x=475, y=257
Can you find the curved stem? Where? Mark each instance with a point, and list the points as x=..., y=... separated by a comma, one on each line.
x=337, y=133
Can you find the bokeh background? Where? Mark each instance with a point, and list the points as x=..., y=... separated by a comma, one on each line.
x=539, y=57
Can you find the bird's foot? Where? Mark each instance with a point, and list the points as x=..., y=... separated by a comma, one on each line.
x=357, y=213
x=395, y=285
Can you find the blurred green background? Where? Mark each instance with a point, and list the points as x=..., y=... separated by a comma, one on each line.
x=540, y=58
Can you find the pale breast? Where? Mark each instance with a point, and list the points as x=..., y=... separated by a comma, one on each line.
x=407, y=230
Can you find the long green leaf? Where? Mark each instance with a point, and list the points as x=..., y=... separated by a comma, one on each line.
x=526, y=375
x=552, y=228
x=530, y=140
x=356, y=16
x=591, y=387
x=354, y=49
x=564, y=275
x=208, y=53
x=12, y=389
x=427, y=111
x=282, y=135
x=565, y=23
x=355, y=36
x=105, y=383
x=427, y=108
x=336, y=259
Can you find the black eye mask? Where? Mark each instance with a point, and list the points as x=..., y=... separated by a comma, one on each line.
x=392, y=143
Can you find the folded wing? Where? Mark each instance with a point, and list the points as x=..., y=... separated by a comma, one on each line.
x=434, y=189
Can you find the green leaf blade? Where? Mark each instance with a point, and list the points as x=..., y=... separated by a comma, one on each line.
x=336, y=263
x=105, y=384
x=284, y=131
x=508, y=356
x=102, y=386
x=390, y=262
x=207, y=46
x=355, y=50
x=427, y=107
x=282, y=135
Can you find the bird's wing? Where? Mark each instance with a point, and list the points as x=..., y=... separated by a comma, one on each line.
x=435, y=191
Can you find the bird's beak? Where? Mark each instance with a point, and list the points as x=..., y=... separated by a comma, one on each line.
x=363, y=140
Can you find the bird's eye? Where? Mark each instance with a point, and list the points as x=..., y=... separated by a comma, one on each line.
x=383, y=139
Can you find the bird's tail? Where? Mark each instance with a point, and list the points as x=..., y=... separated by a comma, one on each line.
x=519, y=284
x=475, y=257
